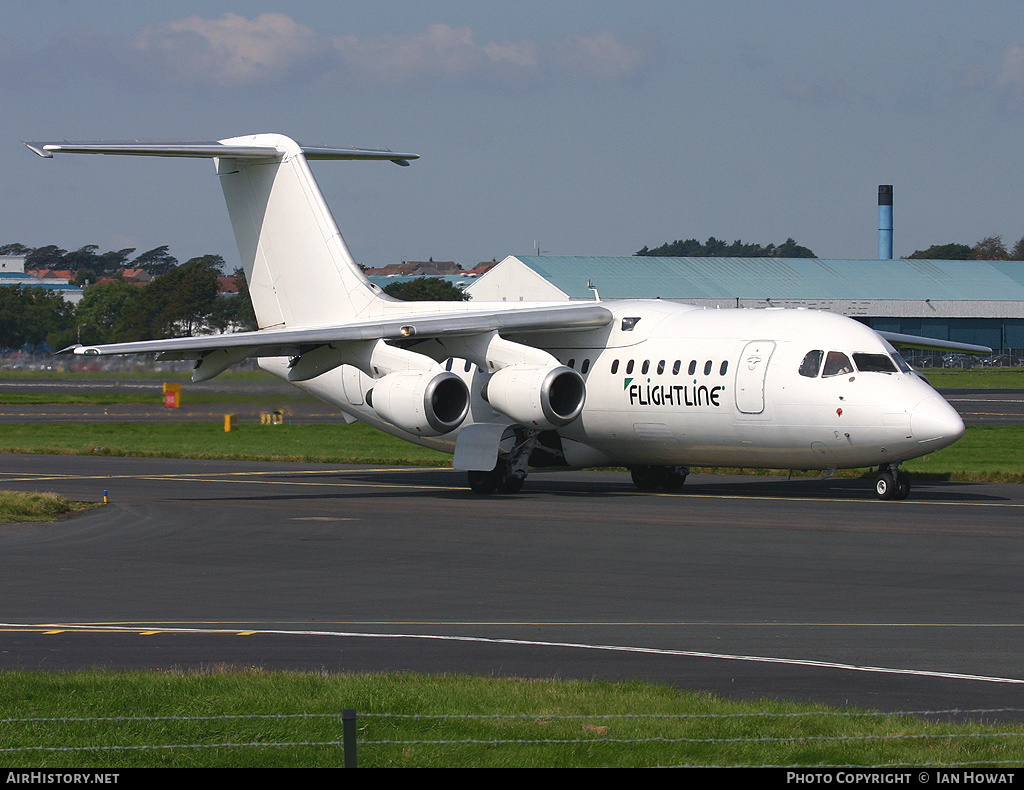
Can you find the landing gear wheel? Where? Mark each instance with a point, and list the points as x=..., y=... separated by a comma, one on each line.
x=674, y=478
x=483, y=482
x=500, y=480
x=886, y=487
x=647, y=478
x=511, y=484
x=902, y=486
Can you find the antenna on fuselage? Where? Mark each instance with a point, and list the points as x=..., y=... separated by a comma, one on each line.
x=592, y=287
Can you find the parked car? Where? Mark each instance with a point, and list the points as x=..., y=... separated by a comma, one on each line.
x=1001, y=361
x=961, y=361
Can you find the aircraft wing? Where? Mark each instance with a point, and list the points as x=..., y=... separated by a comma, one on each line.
x=291, y=342
x=932, y=344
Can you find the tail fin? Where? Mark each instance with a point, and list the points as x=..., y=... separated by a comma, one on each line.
x=300, y=272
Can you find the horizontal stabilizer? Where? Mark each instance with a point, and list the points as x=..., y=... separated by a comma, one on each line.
x=211, y=149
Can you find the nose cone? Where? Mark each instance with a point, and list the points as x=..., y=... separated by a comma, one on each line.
x=935, y=423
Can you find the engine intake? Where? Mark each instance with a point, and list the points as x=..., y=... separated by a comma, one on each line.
x=539, y=397
x=422, y=402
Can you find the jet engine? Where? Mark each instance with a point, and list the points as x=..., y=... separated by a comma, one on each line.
x=422, y=402
x=538, y=397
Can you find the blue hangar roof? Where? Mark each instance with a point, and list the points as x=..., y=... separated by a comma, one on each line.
x=781, y=278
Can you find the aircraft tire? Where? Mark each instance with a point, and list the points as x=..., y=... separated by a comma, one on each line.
x=511, y=484
x=673, y=480
x=886, y=487
x=484, y=482
x=902, y=486
x=648, y=478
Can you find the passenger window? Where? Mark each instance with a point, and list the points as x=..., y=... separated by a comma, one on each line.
x=645, y=367
x=837, y=364
x=874, y=363
x=571, y=363
x=661, y=367
x=448, y=364
x=811, y=364
x=469, y=365
x=707, y=368
x=693, y=366
x=725, y=367
x=675, y=368
x=585, y=366
x=615, y=366
x=629, y=367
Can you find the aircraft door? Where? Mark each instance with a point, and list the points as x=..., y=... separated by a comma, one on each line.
x=750, y=376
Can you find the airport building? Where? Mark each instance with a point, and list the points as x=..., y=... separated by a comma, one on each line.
x=979, y=302
x=12, y=272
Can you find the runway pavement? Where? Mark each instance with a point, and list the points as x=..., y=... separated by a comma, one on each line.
x=749, y=587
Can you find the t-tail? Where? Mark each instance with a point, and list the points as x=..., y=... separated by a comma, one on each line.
x=298, y=267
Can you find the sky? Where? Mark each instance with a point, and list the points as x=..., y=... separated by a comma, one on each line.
x=575, y=128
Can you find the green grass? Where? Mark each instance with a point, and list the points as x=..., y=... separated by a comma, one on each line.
x=154, y=398
x=327, y=443
x=989, y=453
x=985, y=453
x=406, y=708
x=997, y=378
x=18, y=506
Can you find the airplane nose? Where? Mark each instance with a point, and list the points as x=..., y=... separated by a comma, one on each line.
x=935, y=421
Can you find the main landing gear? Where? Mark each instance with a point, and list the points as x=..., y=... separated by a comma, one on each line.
x=651, y=478
x=509, y=474
x=500, y=480
x=891, y=483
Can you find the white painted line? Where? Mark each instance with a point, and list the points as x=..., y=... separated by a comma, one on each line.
x=532, y=643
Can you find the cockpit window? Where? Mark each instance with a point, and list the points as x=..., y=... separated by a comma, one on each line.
x=874, y=363
x=901, y=363
x=811, y=364
x=836, y=364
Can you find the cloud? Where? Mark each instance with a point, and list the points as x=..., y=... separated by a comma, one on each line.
x=233, y=52
x=1009, y=83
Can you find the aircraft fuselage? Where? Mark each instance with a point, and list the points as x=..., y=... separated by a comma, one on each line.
x=672, y=384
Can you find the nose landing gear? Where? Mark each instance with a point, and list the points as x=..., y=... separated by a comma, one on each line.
x=891, y=483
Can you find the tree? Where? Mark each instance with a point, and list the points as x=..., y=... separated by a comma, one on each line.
x=235, y=310
x=716, y=248
x=31, y=316
x=49, y=257
x=790, y=249
x=182, y=301
x=426, y=289
x=990, y=248
x=14, y=249
x=105, y=314
x=944, y=252
x=156, y=261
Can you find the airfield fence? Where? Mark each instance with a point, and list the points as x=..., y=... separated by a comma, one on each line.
x=593, y=726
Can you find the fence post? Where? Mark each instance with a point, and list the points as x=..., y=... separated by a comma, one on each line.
x=348, y=731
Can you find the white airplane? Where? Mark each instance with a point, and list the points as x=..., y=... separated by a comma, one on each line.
x=652, y=385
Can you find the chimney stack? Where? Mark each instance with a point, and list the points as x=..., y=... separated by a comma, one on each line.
x=884, y=222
